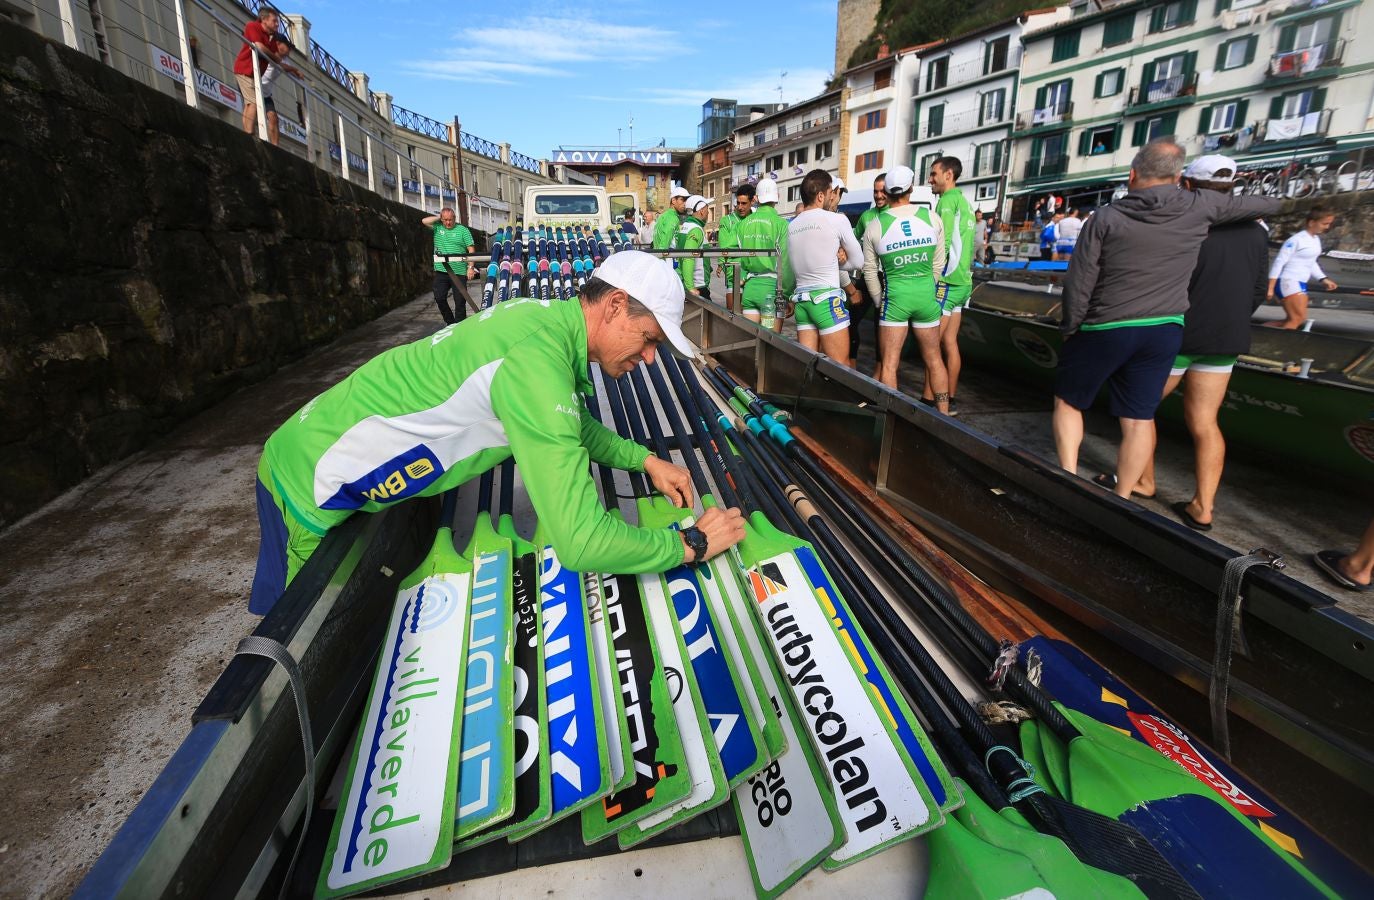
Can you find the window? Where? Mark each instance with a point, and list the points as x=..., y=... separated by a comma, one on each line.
x=1118, y=30
x=752, y=170
x=794, y=193
x=937, y=73
x=825, y=150
x=935, y=122
x=627, y=179
x=600, y=180
x=758, y=138
x=923, y=171
x=1065, y=45
x=865, y=161
x=995, y=55
x=1052, y=102
x=1300, y=103
x=773, y=163
x=1303, y=35
x=882, y=78
x=652, y=181
x=798, y=156
x=1237, y=53
x=871, y=120
x=1147, y=130
x=1172, y=15
x=1099, y=141
x=987, y=159
x=1223, y=117
x=986, y=191
x=1169, y=67
x=1110, y=83
x=993, y=106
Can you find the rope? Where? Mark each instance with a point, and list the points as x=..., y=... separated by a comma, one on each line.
x=1002, y=665
x=1228, y=632
x=1020, y=788
x=253, y=645
x=808, y=374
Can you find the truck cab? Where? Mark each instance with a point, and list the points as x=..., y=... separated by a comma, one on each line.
x=574, y=204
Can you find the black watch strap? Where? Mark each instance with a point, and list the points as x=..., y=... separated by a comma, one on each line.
x=697, y=541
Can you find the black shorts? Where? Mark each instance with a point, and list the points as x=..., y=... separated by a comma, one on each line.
x=1133, y=361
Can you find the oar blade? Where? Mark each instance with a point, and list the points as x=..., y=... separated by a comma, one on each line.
x=616, y=726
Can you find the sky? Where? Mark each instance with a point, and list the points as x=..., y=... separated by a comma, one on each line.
x=607, y=73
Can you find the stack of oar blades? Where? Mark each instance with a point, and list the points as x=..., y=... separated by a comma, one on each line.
x=1189, y=824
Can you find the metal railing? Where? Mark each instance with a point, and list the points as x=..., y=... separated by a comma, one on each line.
x=331, y=66
x=1046, y=166
x=1316, y=176
x=481, y=146
x=521, y=161
x=986, y=168
x=974, y=68
x=1174, y=87
x=374, y=100
x=1049, y=115
x=868, y=89
x=958, y=123
x=1292, y=128
x=413, y=121
x=783, y=131
x=1297, y=63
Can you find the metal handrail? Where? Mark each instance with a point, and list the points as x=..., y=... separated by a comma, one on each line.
x=331, y=66
x=419, y=124
x=481, y=146
x=521, y=161
x=1172, y=88
x=1305, y=60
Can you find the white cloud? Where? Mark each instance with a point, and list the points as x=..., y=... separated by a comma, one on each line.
x=800, y=84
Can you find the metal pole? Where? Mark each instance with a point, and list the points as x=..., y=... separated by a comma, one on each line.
x=400, y=182
x=309, y=132
x=188, y=65
x=421, y=173
x=371, y=170
x=257, y=94
x=343, y=150
x=64, y=8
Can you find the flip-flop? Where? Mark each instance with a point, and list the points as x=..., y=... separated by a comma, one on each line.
x=1326, y=561
x=1109, y=482
x=1181, y=510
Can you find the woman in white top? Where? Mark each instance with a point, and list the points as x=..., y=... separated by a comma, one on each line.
x=1296, y=266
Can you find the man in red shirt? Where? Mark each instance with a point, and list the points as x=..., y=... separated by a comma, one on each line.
x=262, y=34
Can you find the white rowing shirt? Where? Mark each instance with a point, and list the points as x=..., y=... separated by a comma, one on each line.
x=813, y=239
x=1297, y=259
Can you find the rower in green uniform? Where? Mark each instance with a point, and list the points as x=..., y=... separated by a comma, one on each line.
x=729, y=229
x=908, y=244
x=691, y=236
x=955, y=284
x=764, y=230
x=860, y=302
x=428, y=416
x=666, y=228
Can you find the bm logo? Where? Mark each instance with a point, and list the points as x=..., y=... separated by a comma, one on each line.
x=395, y=483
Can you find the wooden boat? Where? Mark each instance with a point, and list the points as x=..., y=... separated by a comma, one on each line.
x=1122, y=585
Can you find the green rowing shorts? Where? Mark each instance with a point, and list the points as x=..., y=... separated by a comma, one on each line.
x=1214, y=363
x=758, y=294
x=913, y=304
x=820, y=309
x=952, y=297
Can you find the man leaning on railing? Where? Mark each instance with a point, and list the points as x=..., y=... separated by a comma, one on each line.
x=260, y=34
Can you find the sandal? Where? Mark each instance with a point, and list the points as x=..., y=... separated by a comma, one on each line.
x=1181, y=510
x=1109, y=482
x=1326, y=560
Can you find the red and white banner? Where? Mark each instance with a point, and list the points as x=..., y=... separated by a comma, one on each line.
x=206, y=85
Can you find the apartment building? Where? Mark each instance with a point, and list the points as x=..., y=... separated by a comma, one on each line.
x=1273, y=83
x=867, y=127
x=787, y=144
x=964, y=92
x=715, y=176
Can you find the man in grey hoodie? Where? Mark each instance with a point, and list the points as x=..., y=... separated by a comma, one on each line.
x=1124, y=300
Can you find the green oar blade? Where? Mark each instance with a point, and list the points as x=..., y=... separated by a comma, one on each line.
x=396, y=817
x=486, y=779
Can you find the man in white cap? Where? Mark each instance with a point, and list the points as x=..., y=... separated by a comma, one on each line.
x=836, y=194
x=819, y=244
x=425, y=417
x=907, y=243
x=1227, y=286
x=691, y=236
x=665, y=230
x=764, y=230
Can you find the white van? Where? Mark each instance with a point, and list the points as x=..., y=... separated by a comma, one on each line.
x=574, y=204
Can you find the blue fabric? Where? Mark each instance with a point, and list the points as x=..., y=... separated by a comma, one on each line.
x=1133, y=362
x=269, y=582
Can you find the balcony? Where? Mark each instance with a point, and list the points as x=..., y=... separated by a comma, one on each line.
x=1046, y=166
x=1176, y=90
x=1309, y=128
x=785, y=133
x=987, y=168
x=956, y=124
x=1309, y=62
x=973, y=70
x=862, y=96
x=1056, y=114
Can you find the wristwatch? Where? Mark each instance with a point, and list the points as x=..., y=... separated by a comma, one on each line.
x=697, y=541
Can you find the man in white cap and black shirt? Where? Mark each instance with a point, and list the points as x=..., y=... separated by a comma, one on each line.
x=1227, y=286
x=692, y=236
x=509, y=382
x=666, y=228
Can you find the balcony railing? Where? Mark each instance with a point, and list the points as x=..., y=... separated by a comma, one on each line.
x=521, y=161
x=869, y=89
x=986, y=168
x=481, y=146
x=1056, y=114
x=336, y=70
x=1046, y=166
x=1176, y=87
x=967, y=120
x=418, y=123
x=1292, y=128
x=752, y=139
x=1297, y=63
x=974, y=68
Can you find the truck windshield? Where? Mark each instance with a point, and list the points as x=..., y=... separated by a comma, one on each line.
x=566, y=205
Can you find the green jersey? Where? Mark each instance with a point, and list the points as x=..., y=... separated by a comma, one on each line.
x=956, y=215
x=764, y=229
x=693, y=272
x=665, y=229
x=729, y=230
x=865, y=217
x=451, y=240
x=908, y=243
x=428, y=416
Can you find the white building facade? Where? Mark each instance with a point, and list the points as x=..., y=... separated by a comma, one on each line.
x=787, y=144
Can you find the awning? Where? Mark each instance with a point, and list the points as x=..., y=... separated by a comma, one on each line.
x=1107, y=184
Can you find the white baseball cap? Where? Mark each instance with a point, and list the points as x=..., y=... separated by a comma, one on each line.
x=654, y=283
x=1208, y=168
x=696, y=202
x=678, y=191
x=767, y=191
x=898, y=179
x=837, y=183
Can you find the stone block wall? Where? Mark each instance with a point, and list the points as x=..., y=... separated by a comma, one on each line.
x=154, y=259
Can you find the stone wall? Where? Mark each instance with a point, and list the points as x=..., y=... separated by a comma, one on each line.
x=154, y=259
x=854, y=22
x=1354, y=227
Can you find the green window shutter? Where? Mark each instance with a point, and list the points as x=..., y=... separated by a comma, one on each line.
x=1157, y=19
x=1190, y=62
x=977, y=155
x=1084, y=145
x=1221, y=7
x=1221, y=55
x=1242, y=110
x=1097, y=85
x=1288, y=34
x=1040, y=98
x=1189, y=11
x=1118, y=30
x=1250, y=44
x=1068, y=94
x=936, y=124
x=1276, y=108
x=1138, y=132
x=1116, y=137
x=1204, y=121
x=1170, y=124
x=1147, y=75
x=1318, y=100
